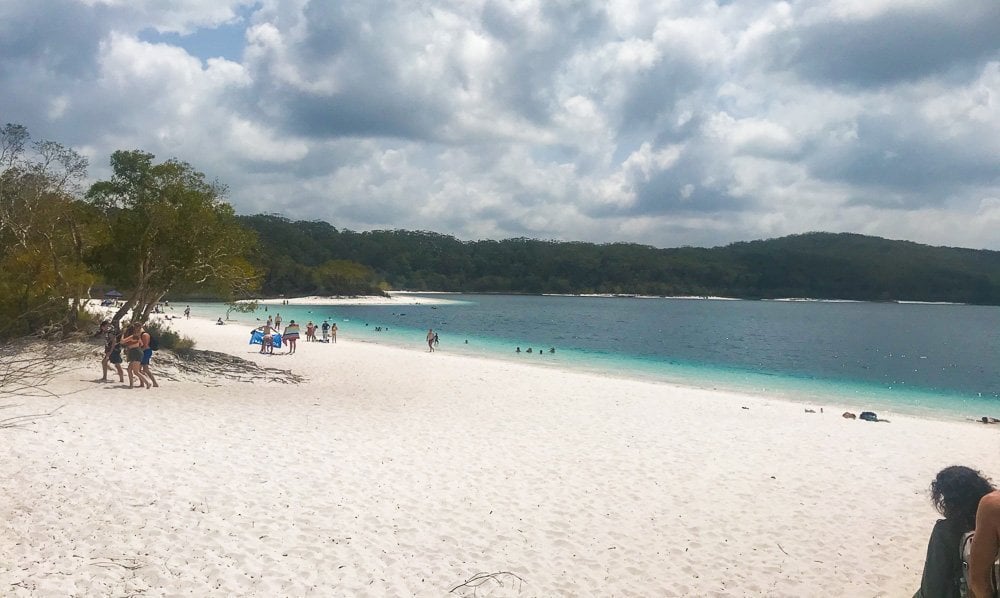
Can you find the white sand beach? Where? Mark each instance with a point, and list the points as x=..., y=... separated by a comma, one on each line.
x=396, y=298
x=393, y=472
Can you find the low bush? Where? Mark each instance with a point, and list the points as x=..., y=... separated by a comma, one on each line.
x=169, y=339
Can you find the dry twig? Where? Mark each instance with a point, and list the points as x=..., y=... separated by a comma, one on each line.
x=477, y=580
x=27, y=365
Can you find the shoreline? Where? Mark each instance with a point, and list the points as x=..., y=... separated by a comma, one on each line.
x=808, y=391
x=392, y=471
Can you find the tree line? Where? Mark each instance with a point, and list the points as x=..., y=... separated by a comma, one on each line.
x=814, y=265
x=149, y=230
x=161, y=230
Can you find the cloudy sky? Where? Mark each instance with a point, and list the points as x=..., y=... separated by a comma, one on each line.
x=667, y=122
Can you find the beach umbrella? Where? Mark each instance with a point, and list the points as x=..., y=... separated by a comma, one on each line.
x=113, y=293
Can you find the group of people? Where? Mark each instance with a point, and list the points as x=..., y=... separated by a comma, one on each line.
x=969, y=503
x=540, y=351
x=292, y=333
x=329, y=332
x=136, y=343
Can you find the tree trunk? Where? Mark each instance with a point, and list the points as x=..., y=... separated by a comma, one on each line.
x=121, y=313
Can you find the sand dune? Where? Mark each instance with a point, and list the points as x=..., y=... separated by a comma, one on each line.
x=394, y=472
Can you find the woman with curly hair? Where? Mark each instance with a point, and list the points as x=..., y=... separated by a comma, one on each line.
x=955, y=493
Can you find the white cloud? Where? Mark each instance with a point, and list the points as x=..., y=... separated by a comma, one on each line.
x=655, y=121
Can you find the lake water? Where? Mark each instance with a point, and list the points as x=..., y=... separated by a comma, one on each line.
x=938, y=360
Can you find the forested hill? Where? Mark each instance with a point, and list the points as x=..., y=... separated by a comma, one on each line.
x=314, y=257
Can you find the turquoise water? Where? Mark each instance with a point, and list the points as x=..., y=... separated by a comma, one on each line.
x=936, y=360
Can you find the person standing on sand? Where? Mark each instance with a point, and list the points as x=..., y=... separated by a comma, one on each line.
x=187, y=312
x=115, y=358
x=333, y=332
x=133, y=354
x=267, y=338
x=110, y=343
x=277, y=322
x=430, y=340
x=985, y=546
x=147, y=355
x=291, y=336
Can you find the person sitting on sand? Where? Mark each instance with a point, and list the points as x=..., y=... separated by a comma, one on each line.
x=985, y=546
x=955, y=493
x=219, y=322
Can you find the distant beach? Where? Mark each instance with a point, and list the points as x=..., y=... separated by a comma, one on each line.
x=390, y=471
x=396, y=298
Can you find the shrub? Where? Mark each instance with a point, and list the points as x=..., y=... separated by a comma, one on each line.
x=169, y=339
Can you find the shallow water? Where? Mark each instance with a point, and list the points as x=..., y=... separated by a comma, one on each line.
x=919, y=358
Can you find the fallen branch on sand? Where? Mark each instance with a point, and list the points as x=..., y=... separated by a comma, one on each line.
x=130, y=564
x=21, y=421
x=477, y=580
x=230, y=367
x=26, y=365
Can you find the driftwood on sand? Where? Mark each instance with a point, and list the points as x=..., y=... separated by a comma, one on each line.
x=212, y=368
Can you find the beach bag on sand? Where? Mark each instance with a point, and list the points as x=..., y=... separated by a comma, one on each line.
x=965, y=550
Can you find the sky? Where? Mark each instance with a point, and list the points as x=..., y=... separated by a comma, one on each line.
x=662, y=122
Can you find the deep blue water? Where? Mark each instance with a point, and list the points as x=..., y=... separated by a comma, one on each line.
x=931, y=359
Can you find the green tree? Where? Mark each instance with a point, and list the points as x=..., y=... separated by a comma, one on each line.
x=241, y=307
x=344, y=277
x=168, y=231
x=44, y=235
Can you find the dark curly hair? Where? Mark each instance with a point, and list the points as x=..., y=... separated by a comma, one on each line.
x=956, y=491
